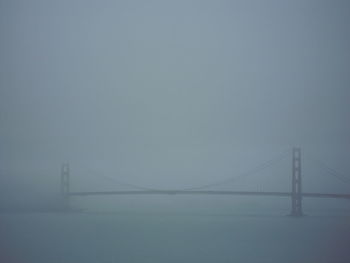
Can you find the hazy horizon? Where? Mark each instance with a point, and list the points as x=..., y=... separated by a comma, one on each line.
x=170, y=94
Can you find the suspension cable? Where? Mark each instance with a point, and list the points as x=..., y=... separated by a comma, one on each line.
x=112, y=179
x=330, y=171
x=251, y=172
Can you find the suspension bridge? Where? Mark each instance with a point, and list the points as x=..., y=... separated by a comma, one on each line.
x=296, y=193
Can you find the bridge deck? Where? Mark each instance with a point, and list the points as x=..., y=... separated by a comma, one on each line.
x=200, y=192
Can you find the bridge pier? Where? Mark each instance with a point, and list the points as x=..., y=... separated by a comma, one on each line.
x=65, y=186
x=296, y=193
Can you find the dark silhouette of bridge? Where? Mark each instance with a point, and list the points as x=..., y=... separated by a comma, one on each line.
x=296, y=194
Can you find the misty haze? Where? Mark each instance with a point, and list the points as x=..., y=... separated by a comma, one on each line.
x=174, y=131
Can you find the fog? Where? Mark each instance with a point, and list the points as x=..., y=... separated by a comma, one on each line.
x=171, y=95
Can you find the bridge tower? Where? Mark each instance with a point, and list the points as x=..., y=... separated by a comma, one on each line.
x=65, y=184
x=296, y=194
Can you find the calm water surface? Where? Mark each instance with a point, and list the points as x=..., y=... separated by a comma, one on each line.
x=188, y=236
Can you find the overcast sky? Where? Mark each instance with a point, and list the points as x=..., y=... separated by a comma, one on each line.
x=171, y=93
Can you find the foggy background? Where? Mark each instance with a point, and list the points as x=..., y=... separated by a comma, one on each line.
x=170, y=94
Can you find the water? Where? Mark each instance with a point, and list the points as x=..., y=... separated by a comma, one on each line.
x=138, y=236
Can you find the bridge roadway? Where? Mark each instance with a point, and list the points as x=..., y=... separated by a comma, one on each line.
x=201, y=192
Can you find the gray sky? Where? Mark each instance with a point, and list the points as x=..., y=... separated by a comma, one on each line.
x=170, y=93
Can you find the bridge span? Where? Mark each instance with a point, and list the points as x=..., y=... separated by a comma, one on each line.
x=208, y=192
x=296, y=194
